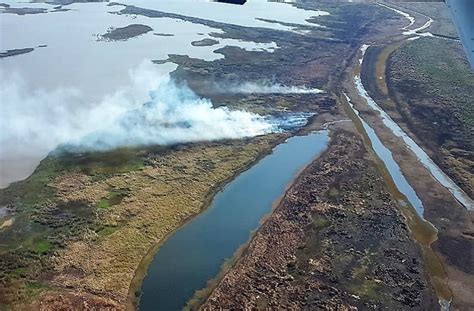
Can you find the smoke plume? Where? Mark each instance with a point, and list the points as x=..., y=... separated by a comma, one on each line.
x=265, y=88
x=175, y=114
x=37, y=121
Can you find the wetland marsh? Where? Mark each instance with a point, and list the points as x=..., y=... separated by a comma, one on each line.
x=191, y=148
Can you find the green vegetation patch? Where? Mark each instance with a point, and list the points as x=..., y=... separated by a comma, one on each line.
x=106, y=230
x=34, y=190
x=320, y=223
x=115, y=197
x=19, y=272
x=117, y=161
x=22, y=234
x=42, y=246
x=34, y=285
x=363, y=283
x=312, y=246
x=367, y=289
x=104, y=203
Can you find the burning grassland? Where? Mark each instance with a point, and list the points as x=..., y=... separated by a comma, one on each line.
x=90, y=222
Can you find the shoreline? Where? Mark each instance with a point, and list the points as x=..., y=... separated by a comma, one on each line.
x=315, y=123
x=421, y=230
x=278, y=264
x=202, y=294
x=382, y=96
x=141, y=271
x=434, y=196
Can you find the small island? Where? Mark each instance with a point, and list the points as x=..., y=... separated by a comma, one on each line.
x=205, y=42
x=125, y=33
x=14, y=52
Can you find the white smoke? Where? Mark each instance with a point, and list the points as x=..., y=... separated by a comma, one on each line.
x=175, y=114
x=267, y=88
x=38, y=121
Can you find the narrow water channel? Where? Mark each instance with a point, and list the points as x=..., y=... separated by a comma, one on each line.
x=386, y=156
x=423, y=232
x=195, y=253
x=421, y=155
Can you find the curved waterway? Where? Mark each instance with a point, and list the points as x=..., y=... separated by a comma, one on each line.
x=421, y=155
x=422, y=231
x=195, y=253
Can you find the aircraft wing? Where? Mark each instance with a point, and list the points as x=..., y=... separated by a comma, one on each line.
x=463, y=15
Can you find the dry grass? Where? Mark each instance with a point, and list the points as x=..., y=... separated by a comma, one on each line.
x=160, y=197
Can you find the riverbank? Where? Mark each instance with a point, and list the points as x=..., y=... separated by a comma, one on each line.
x=194, y=253
x=98, y=250
x=438, y=108
x=141, y=271
x=262, y=277
x=312, y=253
x=451, y=219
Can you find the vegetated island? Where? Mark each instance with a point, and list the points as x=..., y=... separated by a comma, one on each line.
x=22, y=11
x=205, y=42
x=125, y=33
x=14, y=52
x=162, y=34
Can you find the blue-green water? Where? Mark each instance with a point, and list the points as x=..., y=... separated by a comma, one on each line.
x=195, y=253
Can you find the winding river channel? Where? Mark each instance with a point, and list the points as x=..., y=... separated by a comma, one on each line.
x=421, y=155
x=195, y=253
x=422, y=231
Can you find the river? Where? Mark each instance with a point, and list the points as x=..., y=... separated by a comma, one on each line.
x=420, y=154
x=422, y=231
x=195, y=253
